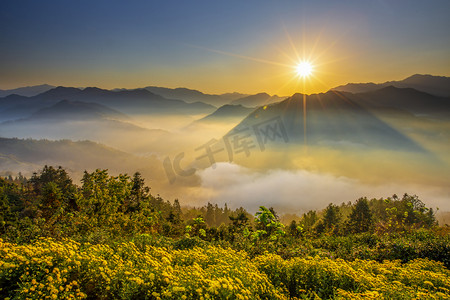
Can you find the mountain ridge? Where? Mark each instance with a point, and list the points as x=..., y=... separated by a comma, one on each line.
x=431, y=84
x=27, y=91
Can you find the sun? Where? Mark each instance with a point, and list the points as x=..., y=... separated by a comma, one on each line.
x=304, y=69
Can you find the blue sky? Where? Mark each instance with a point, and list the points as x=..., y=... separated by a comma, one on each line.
x=220, y=46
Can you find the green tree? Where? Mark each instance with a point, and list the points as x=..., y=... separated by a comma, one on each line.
x=330, y=220
x=267, y=224
x=54, y=191
x=360, y=219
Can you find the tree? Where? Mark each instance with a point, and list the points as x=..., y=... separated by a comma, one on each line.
x=54, y=189
x=210, y=217
x=268, y=224
x=308, y=220
x=330, y=220
x=240, y=221
x=139, y=192
x=360, y=219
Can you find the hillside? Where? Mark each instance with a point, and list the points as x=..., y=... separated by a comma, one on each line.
x=257, y=100
x=138, y=101
x=26, y=155
x=27, y=91
x=435, y=85
x=76, y=110
x=226, y=113
x=332, y=119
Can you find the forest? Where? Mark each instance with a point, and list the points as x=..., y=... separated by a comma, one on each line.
x=112, y=238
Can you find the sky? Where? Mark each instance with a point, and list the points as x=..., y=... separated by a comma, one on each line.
x=221, y=46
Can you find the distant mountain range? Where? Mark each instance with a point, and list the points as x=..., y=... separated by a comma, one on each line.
x=28, y=91
x=66, y=110
x=29, y=155
x=435, y=85
x=78, y=120
x=406, y=99
x=257, y=100
x=333, y=118
x=340, y=119
x=190, y=95
x=184, y=94
x=227, y=112
x=139, y=101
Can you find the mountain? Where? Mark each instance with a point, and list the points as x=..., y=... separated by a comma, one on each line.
x=78, y=120
x=190, y=95
x=227, y=112
x=435, y=85
x=14, y=106
x=66, y=110
x=233, y=96
x=27, y=91
x=257, y=100
x=333, y=119
x=29, y=155
x=138, y=101
x=406, y=99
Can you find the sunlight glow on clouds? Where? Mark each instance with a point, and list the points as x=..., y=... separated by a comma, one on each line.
x=298, y=191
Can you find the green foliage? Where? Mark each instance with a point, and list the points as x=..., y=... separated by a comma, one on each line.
x=330, y=221
x=112, y=217
x=360, y=219
x=268, y=224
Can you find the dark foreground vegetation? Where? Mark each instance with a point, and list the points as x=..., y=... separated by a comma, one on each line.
x=111, y=238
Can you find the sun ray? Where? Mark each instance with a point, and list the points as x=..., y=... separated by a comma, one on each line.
x=242, y=56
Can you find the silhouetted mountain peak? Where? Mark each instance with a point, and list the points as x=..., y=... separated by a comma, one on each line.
x=434, y=85
x=59, y=91
x=27, y=91
x=398, y=91
x=72, y=110
x=228, y=111
x=256, y=100
x=331, y=118
x=140, y=93
x=231, y=108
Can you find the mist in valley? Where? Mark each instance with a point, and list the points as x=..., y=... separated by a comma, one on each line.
x=295, y=156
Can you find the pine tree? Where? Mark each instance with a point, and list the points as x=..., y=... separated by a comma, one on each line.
x=360, y=219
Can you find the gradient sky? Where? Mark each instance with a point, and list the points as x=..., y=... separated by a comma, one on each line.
x=220, y=46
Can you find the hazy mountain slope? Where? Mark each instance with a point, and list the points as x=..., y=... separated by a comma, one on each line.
x=233, y=96
x=332, y=119
x=407, y=99
x=26, y=156
x=131, y=102
x=189, y=95
x=435, y=85
x=14, y=107
x=227, y=112
x=77, y=120
x=257, y=100
x=27, y=91
x=76, y=110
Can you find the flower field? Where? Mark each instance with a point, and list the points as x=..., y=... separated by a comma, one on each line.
x=111, y=239
x=66, y=269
